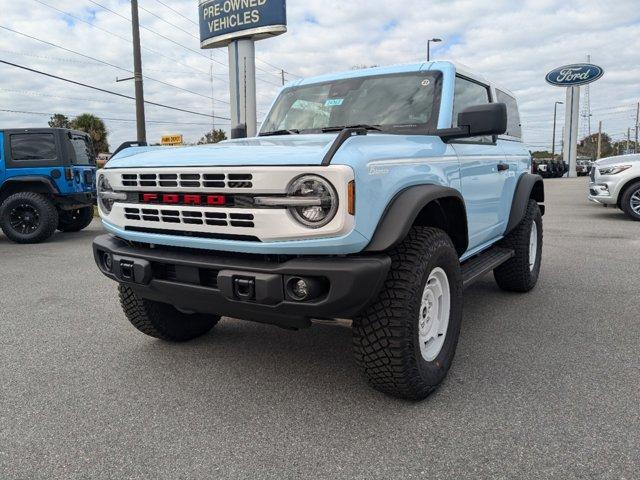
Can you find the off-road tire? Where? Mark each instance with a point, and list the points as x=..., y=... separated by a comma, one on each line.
x=75, y=220
x=47, y=217
x=629, y=194
x=516, y=274
x=161, y=320
x=386, y=335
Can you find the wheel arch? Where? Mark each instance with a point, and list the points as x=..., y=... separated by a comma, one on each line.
x=529, y=187
x=428, y=206
x=13, y=185
x=624, y=189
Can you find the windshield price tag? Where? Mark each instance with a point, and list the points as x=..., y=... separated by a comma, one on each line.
x=334, y=102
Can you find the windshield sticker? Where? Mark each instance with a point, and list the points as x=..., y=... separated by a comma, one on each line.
x=426, y=83
x=334, y=102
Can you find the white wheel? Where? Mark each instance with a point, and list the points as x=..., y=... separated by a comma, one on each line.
x=433, y=318
x=533, y=246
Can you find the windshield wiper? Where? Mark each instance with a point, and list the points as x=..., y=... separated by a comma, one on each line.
x=339, y=128
x=280, y=132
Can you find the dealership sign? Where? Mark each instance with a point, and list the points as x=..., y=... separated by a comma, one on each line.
x=574, y=75
x=222, y=21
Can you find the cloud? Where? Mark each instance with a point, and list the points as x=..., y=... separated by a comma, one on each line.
x=512, y=43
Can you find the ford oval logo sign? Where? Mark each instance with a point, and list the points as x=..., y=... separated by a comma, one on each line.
x=574, y=75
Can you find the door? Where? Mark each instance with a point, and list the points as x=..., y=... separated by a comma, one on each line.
x=482, y=169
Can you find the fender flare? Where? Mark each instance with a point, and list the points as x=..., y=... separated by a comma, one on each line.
x=403, y=210
x=529, y=186
x=47, y=182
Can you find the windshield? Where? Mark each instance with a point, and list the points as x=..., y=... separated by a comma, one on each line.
x=83, y=152
x=401, y=103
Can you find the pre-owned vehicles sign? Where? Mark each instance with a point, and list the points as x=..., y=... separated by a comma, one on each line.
x=574, y=75
x=222, y=21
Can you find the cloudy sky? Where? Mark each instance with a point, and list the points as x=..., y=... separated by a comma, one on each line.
x=513, y=42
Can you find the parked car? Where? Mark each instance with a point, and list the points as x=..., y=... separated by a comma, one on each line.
x=616, y=181
x=583, y=168
x=47, y=182
x=373, y=195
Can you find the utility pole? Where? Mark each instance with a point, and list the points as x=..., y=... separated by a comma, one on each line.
x=283, y=80
x=635, y=149
x=137, y=72
x=599, y=140
x=628, y=140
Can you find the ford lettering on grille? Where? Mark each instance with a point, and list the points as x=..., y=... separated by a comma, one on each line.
x=183, y=199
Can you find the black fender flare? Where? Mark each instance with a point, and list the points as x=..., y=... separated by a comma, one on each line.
x=529, y=186
x=402, y=212
x=39, y=179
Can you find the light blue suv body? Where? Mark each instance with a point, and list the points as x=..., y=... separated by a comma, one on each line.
x=373, y=195
x=383, y=165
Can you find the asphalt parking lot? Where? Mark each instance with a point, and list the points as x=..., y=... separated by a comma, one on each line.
x=545, y=385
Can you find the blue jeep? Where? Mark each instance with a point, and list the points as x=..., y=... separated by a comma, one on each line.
x=374, y=195
x=47, y=182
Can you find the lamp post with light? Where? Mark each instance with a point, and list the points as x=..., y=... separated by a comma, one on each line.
x=434, y=40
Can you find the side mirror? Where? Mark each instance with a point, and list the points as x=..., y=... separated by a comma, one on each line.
x=477, y=121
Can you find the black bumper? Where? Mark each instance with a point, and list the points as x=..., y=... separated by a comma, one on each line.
x=76, y=200
x=249, y=287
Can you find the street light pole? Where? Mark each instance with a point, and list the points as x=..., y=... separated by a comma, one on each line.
x=137, y=73
x=555, y=116
x=434, y=40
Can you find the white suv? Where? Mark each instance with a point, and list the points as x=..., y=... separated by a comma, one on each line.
x=616, y=181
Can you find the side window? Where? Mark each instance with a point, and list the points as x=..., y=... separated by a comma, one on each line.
x=513, y=116
x=469, y=94
x=33, y=147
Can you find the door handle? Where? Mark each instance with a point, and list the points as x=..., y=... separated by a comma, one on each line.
x=503, y=167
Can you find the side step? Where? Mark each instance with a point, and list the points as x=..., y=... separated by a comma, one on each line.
x=474, y=268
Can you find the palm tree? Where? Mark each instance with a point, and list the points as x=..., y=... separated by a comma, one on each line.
x=96, y=129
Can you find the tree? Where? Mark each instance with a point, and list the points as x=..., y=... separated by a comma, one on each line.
x=588, y=146
x=214, y=136
x=96, y=129
x=58, y=120
x=542, y=154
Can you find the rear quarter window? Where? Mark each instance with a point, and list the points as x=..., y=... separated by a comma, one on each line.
x=514, y=128
x=33, y=147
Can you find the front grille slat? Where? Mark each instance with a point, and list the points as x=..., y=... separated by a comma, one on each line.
x=188, y=180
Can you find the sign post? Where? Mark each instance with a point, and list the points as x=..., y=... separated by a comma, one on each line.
x=572, y=120
x=572, y=77
x=237, y=24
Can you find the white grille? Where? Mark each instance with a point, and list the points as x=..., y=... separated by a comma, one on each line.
x=190, y=217
x=187, y=180
x=265, y=224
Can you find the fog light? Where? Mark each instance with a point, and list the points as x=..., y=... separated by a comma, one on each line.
x=107, y=260
x=300, y=289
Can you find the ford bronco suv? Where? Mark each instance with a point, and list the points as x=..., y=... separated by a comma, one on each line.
x=47, y=182
x=375, y=195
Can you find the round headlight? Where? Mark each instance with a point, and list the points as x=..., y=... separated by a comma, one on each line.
x=314, y=187
x=103, y=185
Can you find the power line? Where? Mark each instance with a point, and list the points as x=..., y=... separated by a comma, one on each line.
x=108, y=91
x=109, y=32
x=111, y=119
x=94, y=59
x=156, y=33
x=177, y=12
x=169, y=23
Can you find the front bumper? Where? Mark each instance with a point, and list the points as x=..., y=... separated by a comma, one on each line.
x=205, y=282
x=600, y=192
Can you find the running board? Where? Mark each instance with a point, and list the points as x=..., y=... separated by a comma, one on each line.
x=474, y=268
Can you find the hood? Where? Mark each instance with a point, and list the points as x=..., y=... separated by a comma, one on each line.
x=619, y=159
x=281, y=150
